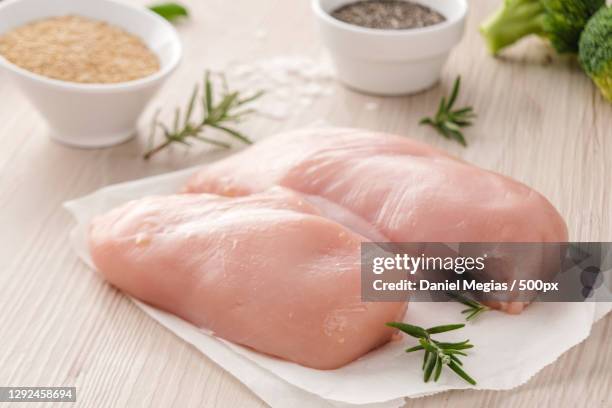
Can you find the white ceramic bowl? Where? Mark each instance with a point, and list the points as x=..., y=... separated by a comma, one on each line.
x=92, y=115
x=390, y=62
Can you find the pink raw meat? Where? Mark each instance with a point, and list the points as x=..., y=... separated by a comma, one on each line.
x=265, y=271
x=408, y=191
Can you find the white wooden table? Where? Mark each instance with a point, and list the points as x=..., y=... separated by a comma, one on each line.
x=540, y=121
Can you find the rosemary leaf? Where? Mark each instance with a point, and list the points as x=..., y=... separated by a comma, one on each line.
x=233, y=133
x=431, y=363
x=454, y=346
x=447, y=346
x=208, y=96
x=455, y=367
x=177, y=115
x=445, y=328
x=428, y=346
x=438, y=369
x=454, y=93
x=191, y=105
x=250, y=98
x=414, y=331
x=219, y=112
x=475, y=308
x=453, y=352
x=456, y=360
x=213, y=142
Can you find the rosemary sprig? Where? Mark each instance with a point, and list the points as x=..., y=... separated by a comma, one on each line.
x=475, y=308
x=214, y=115
x=437, y=354
x=448, y=122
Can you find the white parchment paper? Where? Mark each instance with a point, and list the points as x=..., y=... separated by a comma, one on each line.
x=508, y=349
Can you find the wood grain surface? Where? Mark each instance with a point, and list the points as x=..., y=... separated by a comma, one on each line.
x=540, y=121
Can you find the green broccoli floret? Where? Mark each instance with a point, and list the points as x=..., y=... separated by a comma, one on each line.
x=596, y=50
x=561, y=21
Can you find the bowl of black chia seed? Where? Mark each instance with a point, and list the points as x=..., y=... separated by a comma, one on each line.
x=390, y=47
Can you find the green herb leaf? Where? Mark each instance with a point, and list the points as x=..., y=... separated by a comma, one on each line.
x=170, y=11
x=445, y=328
x=456, y=360
x=455, y=367
x=448, y=122
x=438, y=369
x=452, y=352
x=208, y=95
x=233, y=133
x=454, y=93
x=431, y=363
x=475, y=308
x=414, y=331
x=428, y=346
x=191, y=105
x=455, y=346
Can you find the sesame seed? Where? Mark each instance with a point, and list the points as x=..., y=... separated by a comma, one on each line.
x=78, y=49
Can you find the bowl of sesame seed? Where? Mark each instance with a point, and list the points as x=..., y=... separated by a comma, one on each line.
x=390, y=47
x=89, y=67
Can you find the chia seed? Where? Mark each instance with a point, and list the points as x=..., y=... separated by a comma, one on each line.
x=388, y=14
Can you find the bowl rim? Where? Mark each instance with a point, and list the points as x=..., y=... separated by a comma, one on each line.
x=135, y=84
x=384, y=32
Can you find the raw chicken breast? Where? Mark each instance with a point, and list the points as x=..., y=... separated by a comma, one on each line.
x=265, y=271
x=408, y=191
